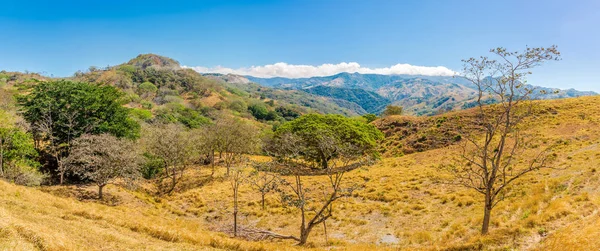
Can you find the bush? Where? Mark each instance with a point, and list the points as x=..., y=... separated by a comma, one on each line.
x=24, y=175
x=152, y=166
x=141, y=114
x=392, y=110
x=238, y=106
x=258, y=110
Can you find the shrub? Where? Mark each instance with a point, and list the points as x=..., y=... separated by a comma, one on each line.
x=25, y=175
x=152, y=166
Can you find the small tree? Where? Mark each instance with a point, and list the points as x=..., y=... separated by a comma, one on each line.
x=264, y=182
x=343, y=143
x=231, y=138
x=324, y=137
x=15, y=146
x=494, y=141
x=236, y=179
x=103, y=158
x=392, y=110
x=174, y=145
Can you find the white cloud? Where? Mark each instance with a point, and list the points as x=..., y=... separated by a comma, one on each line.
x=306, y=71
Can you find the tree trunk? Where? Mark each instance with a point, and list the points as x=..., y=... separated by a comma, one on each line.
x=1, y=157
x=100, y=187
x=173, y=181
x=62, y=176
x=486, y=215
x=235, y=223
x=325, y=229
x=212, y=163
x=263, y=201
x=304, y=235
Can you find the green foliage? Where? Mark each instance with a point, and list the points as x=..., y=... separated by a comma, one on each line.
x=146, y=104
x=392, y=110
x=370, y=117
x=146, y=89
x=75, y=108
x=258, y=110
x=326, y=137
x=271, y=115
x=141, y=114
x=238, y=106
x=152, y=166
x=287, y=113
x=173, y=113
x=16, y=148
x=369, y=101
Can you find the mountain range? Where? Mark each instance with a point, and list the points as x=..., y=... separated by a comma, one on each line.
x=418, y=95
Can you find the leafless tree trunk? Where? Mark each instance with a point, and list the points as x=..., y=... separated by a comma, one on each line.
x=494, y=140
x=236, y=180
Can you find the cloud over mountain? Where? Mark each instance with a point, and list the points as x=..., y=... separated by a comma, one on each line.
x=306, y=71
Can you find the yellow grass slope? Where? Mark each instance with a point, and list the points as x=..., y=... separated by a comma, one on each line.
x=404, y=204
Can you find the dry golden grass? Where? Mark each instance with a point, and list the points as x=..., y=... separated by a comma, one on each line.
x=404, y=198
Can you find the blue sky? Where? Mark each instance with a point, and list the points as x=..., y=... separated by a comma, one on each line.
x=61, y=37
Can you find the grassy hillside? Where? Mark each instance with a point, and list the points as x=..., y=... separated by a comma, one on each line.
x=405, y=203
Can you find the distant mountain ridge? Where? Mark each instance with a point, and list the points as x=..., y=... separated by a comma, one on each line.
x=419, y=95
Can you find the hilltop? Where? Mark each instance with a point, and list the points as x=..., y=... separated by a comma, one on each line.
x=404, y=203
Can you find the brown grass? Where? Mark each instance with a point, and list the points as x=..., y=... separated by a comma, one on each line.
x=554, y=209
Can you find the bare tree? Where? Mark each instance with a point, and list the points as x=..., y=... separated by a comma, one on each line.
x=494, y=140
x=103, y=158
x=173, y=144
x=231, y=138
x=236, y=179
x=263, y=181
x=44, y=128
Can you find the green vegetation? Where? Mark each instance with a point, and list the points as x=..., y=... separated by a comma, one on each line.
x=69, y=109
x=323, y=138
x=392, y=110
x=209, y=150
x=371, y=102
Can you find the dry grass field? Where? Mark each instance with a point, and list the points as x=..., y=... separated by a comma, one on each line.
x=405, y=203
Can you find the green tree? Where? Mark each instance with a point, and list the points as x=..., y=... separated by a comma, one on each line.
x=328, y=145
x=76, y=108
x=370, y=117
x=16, y=146
x=147, y=89
x=392, y=110
x=258, y=110
x=326, y=137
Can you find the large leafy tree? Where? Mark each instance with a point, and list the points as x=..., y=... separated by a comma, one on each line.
x=61, y=111
x=75, y=108
x=324, y=138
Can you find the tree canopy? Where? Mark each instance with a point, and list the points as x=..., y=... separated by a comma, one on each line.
x=322, y=138
x=76, y=108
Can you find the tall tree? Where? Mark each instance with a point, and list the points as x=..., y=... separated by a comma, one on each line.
x=61, y=111
x=103, y=158
x=78, y=108
x=494, y=142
